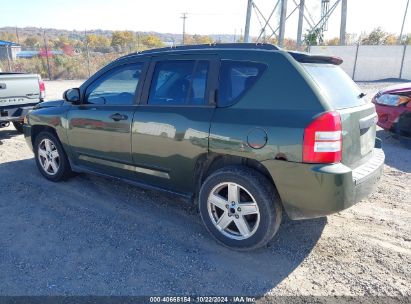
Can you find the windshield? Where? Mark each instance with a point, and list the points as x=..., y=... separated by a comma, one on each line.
x=339, y=89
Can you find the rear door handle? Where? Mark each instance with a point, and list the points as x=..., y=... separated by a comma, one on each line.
x=118, y=117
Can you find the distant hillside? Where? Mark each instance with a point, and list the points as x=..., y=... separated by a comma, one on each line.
x=73, y=34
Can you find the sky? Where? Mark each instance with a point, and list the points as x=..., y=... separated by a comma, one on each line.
x=204, y=16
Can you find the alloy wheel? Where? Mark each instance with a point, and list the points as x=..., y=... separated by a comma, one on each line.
x=48, y=156
x=233, y=211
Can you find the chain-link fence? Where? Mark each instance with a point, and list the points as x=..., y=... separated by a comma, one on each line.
x=68, y=58
x=58, y=65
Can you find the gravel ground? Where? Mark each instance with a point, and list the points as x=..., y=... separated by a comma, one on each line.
x=96, y=236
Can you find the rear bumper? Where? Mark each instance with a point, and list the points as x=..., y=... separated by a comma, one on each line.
x=388, y=115
x=310, y=191
x=16, y=113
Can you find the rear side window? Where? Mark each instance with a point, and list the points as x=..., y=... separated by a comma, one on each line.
x=340, y=91
x=236, y=78
x=179, y=82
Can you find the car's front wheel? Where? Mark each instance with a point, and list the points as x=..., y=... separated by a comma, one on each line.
x=50, y=157
x=240, y=207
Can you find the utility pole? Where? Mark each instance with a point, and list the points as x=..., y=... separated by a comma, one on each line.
x=8, y=57
x=184, y=17
x=300, y=23
x=47, y=54
x=403, y=21
x=247, y=21
x=87, y=53
x=138, y=42
x=343, y=24
x=17, y=35
x=283, y=16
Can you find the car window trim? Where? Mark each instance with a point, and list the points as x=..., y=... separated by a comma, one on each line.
x=137, y=92
x=211, y=85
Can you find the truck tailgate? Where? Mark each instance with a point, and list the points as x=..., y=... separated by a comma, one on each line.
x=19, y=89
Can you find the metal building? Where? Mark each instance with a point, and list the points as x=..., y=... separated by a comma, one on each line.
x=9, y=50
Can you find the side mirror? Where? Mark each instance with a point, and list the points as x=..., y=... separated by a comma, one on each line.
x=72, y=95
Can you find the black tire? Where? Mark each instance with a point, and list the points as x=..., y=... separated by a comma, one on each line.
x=262, y=191
x=18, y=126
x=64, y=171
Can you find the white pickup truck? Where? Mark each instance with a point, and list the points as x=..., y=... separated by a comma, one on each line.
x=19, y=92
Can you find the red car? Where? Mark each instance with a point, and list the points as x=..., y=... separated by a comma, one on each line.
x=393, y=105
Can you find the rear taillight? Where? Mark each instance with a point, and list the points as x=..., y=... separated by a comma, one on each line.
x=42, y=89
x=323, y=139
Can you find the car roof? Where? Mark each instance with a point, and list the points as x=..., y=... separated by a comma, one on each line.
x=298, y=56
x=207, y=47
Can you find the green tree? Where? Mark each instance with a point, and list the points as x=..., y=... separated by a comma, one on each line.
x=122, y=40
x=99, y=43
x=376, y=37
x=332, y=41
x=314, y=37
x=8, y=36
x=151, y=41
x=390, y=39
x=32, y=42
x=59, y=42
x=198, y=39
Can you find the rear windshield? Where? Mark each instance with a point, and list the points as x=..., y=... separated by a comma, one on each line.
x=340, y=91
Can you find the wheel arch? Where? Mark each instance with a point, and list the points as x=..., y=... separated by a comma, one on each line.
x=37, y=129
x=208, y=164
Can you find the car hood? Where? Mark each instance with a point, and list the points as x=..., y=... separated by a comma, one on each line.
x=49, y=104
x=397, y=88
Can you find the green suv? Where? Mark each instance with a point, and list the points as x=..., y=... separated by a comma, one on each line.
x=245, y=130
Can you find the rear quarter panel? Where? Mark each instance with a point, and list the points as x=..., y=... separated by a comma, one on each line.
x=282, y=103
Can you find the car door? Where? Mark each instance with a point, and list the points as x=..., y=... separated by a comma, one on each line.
x=99, y=129
x=172, y=122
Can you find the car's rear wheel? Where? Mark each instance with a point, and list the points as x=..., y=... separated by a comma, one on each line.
x=50, y=157
x=240, y=207
x=18, y=126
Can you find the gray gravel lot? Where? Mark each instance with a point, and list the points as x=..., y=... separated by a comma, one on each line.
x=97, y=236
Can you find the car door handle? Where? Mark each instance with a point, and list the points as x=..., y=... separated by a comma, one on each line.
x=118, y=117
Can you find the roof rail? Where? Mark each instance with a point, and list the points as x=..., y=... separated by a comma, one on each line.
x=258, y=46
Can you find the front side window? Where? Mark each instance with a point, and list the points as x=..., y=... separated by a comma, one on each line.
x=179, y=82
x=117, y=87
x=236, y=77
